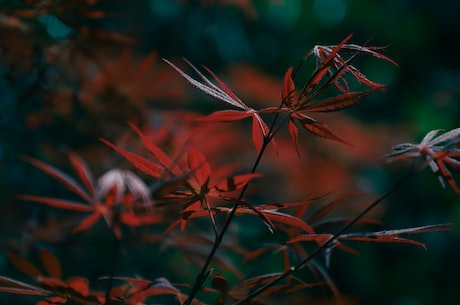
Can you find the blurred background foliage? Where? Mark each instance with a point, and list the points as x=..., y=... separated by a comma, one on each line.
x=71, y=73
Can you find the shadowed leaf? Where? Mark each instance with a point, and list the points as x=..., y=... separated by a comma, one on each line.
x=24, y=265
x=50, y=263
x=140, y=163
x=58, y=203
x=61, y=177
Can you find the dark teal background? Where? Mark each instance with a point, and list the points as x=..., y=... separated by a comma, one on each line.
x=422, y=94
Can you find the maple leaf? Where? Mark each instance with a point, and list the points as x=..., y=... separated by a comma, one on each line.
x=10, y=285
x=295, y=225
x=220, y=92
x=200, y=190
x=273, y=213
x=438, y=153
x=119, y=196
x=130, y=79
x=330, y=70
x=254, y=84
x=195, y=247
x=295, y=235
x=195, y=187
x=394, y=236
x=138, y=290
x=269, y=214
x=293, y=247
x=51, y=285
x=385, y=236
x=245, y=287
x=11, y=22
x=329, y=61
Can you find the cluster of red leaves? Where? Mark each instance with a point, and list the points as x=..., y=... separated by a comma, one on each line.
x=123, y=88
x=195, y=248
x=95, y=88
x=133, y=291
x=331, y=70
x=224, y=94
x=438, y=153
x=118, y=88
x=17, y=49
x=51, y=285
x=72, y=13
x=254, y=85
x=192, y=185
x=119, y=197
x=126, y=79
x=242, y=289
x=186, y=182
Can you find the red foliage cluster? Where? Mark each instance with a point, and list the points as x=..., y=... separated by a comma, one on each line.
x=188, y=182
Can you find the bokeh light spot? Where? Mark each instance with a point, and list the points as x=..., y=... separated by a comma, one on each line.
x=55, y=27
x=231, y=41
x=330, y=12
x=284, y=14
x=166, y=8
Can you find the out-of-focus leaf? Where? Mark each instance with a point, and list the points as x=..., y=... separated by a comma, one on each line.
x=24, y=265
x=50, y=263
x=61, y=177
x=58, y=203
x=139, y=162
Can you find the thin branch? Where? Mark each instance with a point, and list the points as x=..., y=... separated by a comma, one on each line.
x=113, y=262
x=331, y=240
x=204, y=273
x=273, y=129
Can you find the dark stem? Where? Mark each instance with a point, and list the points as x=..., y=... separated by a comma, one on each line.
x=204, y=273
x=113, y=262
x=331, y=240
x=273, y=129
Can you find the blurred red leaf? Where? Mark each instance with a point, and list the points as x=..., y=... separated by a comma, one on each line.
x=62, y=178
x=160, y=156
x=50, y=263
x=144, y=165
x=79, y=284
x=254, y=85
x=24, y=265
x=58, y=203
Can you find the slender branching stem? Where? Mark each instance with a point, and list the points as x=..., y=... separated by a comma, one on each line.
x=204, y=273
x=113, y=262
x=329, y=243
x=273, y=130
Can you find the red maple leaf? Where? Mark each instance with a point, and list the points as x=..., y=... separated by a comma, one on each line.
x=119, y=196
x=438, y=153
x=58, y=291
x=131, y=79
x=220, y=92
x=331, y=69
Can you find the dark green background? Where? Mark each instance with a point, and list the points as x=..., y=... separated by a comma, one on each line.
x=423, y=94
